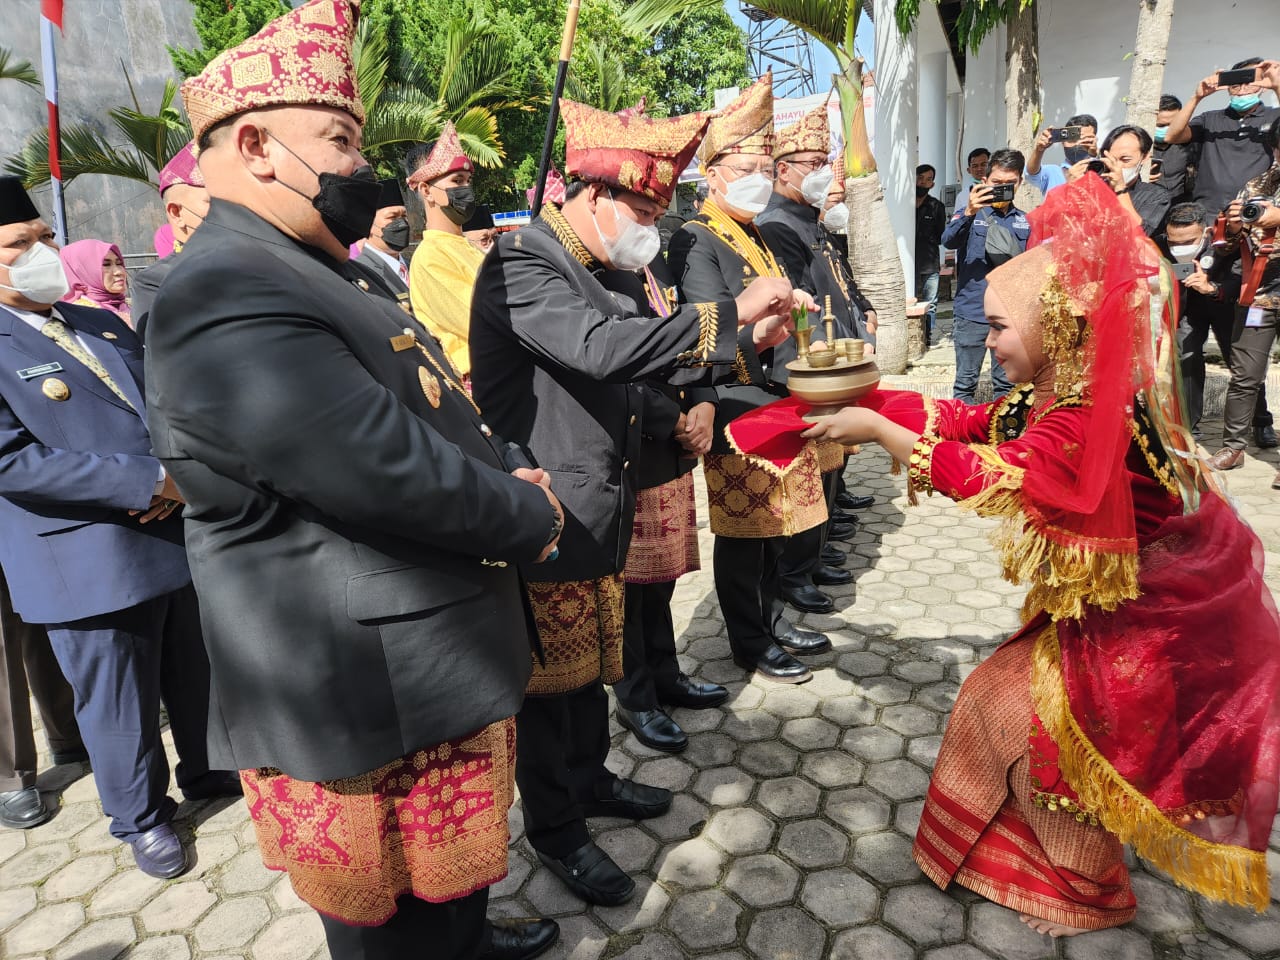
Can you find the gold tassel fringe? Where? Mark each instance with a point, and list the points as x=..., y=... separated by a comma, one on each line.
x=1224, y=872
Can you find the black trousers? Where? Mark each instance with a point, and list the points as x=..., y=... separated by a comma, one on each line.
x=1201, y=317
x=561, y=745
x=649, y=661
x=746, y=576
x=419, y=930
x=121, y=665
x=1250, y=357
x=26, y=658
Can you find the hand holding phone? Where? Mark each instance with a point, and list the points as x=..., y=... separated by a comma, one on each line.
x=1064, y=135
x=1237, y=78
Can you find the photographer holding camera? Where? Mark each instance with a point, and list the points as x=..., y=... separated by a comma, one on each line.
x=1232, y=140
x=1124, y=153
x=986, y=233
x=1252, y=222
x=1079, y=139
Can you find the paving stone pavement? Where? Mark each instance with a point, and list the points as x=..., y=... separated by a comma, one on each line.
x=792, y=823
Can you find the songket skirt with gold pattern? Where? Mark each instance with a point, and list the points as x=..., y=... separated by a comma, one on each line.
x=580, y=625
x=432, y=824
x=747, y=499
x=664, y=535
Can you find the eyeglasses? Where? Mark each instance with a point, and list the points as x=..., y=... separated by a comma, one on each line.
x=765, y=169
x=809, y=165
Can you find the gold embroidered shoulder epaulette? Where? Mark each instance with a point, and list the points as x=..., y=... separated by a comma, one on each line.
x=1009, y=420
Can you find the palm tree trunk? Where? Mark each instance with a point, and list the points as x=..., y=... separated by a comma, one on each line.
x=1022, y=89
x=1150, y=53
x=873, y=244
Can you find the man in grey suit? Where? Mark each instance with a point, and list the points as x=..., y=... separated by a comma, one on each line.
x=381, y=252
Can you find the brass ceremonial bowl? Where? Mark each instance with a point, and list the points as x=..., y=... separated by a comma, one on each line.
x=829, y=388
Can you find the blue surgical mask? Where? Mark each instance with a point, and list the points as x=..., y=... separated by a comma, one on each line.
x=1160, y=134
x=1246, y=103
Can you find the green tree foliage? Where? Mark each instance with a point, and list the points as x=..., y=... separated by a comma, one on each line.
x=978, y=18
x=221, y=24
x=20, y=70
x=695, y=55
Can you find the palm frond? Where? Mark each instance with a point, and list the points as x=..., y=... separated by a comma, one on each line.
x=478, y=131
x=415, y=119
x=154, y=136
x=477, y=69
x=372, y=58
x=827, y=21
x=20, y=70
x=84, y=151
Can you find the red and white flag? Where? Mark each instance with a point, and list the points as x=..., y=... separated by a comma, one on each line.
x=50, y=17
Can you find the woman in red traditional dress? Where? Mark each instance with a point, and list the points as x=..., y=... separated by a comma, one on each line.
x=1140, y=702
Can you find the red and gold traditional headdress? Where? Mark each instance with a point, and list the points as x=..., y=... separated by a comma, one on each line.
x=811, y=133
x=303, y=58
x=445, y=157
x=744, y=126
x=629, y=150
x=181, y=168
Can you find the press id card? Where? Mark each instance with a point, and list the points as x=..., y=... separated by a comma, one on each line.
x=1254, y=317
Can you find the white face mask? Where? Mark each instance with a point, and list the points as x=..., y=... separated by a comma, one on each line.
x=634, y=247
x=837, y=218
x=815, y=185
x=1184, y=252
x=1130, y=174
x=37, y=274
x=749, y=194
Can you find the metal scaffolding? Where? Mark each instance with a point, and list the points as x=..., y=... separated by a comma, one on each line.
x=776, y=43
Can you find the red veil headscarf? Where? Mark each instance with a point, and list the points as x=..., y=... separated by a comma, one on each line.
x=82, y=262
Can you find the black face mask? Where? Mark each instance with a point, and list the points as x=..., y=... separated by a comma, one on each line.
x=462, y=203
x=396, y=234
x=347, y=205
x=1075, y=154
x=922, y=191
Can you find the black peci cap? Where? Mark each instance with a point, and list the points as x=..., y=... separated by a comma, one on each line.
x=481, y=219
x=15, y=205
x=392, y=196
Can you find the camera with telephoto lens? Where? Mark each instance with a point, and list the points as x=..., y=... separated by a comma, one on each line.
x=1252, y=209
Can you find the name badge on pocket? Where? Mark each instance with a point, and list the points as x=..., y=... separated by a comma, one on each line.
x=30, y=373
x=1254, y=317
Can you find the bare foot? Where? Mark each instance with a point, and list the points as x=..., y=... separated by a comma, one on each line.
x=1052, y=929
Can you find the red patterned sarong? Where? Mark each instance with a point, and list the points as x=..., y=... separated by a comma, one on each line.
x=433, y=823
x=664, y=536
x=580, y=625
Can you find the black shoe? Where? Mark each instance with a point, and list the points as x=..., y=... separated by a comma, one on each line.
x=592, y=876
x=777, y=665
x=807, y=598
x=159, y=853
x=23, y=809
x=826, y=576
x=799, y=640
x=839, y=516
x=841, y=531
x=517, y=939
x=630, y=800
x=1265, y=436
x=215, y=783
x=654, y=729
x=693, y=695
x=848, y=501
x=61, y=757
x=833, y=556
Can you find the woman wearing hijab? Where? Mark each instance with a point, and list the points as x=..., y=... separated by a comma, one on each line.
x=95, y=271
x=1140, y=701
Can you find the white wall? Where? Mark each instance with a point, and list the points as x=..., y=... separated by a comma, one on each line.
x=897, y=130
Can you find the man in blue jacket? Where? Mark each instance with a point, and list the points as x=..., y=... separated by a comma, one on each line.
x=92, y=548
x=985, y=234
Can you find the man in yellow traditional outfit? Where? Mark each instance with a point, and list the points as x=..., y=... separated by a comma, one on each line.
x=557, y=365
x=719, y=254
x=443, y=271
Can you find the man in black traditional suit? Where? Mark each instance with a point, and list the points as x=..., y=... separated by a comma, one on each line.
x=383, y=250
x=353, y=530
x=556, y=360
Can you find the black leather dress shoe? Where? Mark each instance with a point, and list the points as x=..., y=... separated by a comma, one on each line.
x=592, y=876
x=777, y=665
x=693, y=695
x=159, y=853
x=631, y=800
x=1265, y=436
x=23, y=809
x=849, y=501
x=841, y=531
x=215, y=783
x=839, y=516
x=654, y=729
x=833, y=556
x=517, y=939
x=799, y=640
x=826, y=576
x=807, y=598
x=61, y=757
